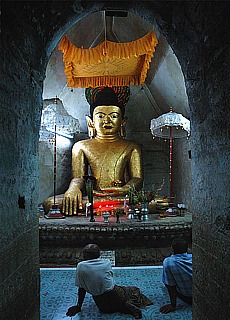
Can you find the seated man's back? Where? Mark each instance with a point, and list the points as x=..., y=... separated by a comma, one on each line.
x=177, y=271
x=177, y=275
x=95, y=276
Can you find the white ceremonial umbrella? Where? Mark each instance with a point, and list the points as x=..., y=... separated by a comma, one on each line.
x=170, y=126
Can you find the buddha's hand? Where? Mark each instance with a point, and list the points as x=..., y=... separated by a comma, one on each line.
x=116, y=190
x=72, y=202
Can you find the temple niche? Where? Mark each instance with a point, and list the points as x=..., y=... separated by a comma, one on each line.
x=163, y=88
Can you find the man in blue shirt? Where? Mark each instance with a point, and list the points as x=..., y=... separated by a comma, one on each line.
x=177, y=275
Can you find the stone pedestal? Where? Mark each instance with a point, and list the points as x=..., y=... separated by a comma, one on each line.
x=134, y=243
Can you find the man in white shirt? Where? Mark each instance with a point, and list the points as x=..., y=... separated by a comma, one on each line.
x=95, y=276
x=102, y=280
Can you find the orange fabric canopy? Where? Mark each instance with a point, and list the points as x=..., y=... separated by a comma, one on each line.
x=109, y=63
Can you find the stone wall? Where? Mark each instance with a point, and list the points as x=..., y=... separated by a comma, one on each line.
x=20, y=100
x=200, y=39
x=210, y=171
x=181, y=172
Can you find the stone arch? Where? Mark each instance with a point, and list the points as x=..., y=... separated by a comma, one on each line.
x=26, y=46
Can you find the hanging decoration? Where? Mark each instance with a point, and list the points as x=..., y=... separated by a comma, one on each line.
x=109, y=63
x=170, y=126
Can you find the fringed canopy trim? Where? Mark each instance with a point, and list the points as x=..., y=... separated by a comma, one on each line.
x=108, y=64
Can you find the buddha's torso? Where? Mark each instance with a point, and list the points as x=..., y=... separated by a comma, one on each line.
x=108, y=160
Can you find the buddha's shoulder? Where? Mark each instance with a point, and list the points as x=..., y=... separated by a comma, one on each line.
x=94, y=142
x=81, y=144
x=131, y=143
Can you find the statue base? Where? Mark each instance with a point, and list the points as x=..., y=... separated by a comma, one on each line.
x=134, y=242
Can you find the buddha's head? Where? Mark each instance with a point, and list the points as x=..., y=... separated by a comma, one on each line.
x=107, y=113
x=107, y=120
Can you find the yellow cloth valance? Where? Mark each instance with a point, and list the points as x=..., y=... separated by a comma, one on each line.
x=109, y=63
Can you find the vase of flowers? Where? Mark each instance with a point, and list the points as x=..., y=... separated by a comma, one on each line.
x=143, y=198
x=148, y=196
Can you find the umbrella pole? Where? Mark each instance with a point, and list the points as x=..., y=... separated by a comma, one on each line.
x=170, y=163
x=55, y=212
x=55, y=161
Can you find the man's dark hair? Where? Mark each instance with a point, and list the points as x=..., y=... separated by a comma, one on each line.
x=91, y=251
x=179, y=245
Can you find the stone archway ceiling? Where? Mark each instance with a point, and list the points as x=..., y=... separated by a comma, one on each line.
x=111, y=63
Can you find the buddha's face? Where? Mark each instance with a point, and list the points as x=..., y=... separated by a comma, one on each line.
x=107, y=120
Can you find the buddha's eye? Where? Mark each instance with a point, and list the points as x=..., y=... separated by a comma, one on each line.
x=114, y=116
x=100, y=115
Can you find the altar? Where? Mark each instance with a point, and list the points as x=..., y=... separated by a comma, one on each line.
x=134, y=243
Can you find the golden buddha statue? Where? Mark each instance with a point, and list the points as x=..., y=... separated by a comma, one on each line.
x=114, y=162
